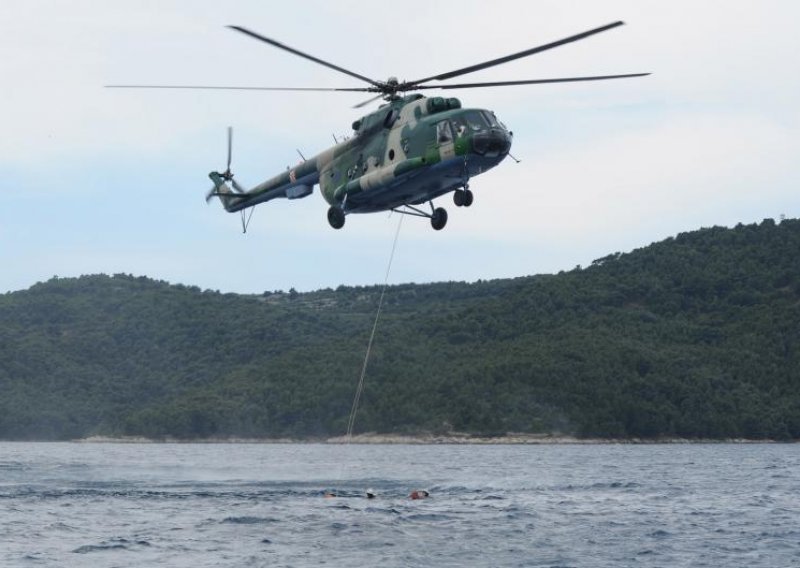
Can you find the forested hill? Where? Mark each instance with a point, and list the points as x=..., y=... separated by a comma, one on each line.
x=695, y=336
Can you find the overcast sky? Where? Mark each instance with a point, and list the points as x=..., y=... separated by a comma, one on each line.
x=96, y=180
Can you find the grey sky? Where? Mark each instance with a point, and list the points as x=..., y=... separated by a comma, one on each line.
x=98, y=180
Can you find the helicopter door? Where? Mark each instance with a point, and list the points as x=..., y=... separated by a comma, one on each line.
x=444, y=140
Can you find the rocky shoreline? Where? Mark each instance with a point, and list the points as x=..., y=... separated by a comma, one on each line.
x=424, y=439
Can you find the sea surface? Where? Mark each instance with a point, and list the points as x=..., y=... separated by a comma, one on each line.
x=195, y=505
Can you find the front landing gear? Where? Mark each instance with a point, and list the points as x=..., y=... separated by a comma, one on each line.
x=462, y=197
x=336, y=217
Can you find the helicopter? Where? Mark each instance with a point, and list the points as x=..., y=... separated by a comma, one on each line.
x=411, y=150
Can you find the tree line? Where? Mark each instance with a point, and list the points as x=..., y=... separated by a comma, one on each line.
x=696, y=336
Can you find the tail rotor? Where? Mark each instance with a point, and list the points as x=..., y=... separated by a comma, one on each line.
x=220, y=189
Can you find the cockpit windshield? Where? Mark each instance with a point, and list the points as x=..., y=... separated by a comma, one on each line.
x=491, y=118
x=470, y=120
x=475, y=120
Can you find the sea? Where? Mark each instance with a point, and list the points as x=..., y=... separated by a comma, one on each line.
x=550, y=505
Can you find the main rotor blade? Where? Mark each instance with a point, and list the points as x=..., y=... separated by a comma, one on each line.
x=304, y=55
x=224, y=88
x=368, y=101
x=530, y=81
x=513, y=56
x=230, y=144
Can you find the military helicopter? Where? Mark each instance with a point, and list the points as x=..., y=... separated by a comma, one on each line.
x=410, y=151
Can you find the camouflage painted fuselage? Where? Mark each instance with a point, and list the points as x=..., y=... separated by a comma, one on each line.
x=411, y=150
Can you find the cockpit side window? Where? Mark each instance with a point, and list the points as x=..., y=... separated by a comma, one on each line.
x=459, y=127
x=443, y=132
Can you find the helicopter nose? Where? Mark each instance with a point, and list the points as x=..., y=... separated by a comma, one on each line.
x=492, y=143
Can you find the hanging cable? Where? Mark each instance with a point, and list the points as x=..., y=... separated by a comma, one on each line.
x=352, y=420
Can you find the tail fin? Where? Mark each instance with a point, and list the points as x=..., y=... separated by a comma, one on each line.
x=220, y=190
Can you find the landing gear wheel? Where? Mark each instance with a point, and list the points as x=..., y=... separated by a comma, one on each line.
x=439, y=219
x=336, y=217
x=462, y=197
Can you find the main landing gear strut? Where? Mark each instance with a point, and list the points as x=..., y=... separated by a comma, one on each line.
x=438, y=215
x=461, y=197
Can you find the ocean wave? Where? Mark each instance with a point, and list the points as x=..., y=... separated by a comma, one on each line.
x=250, y=520
x=113, y=544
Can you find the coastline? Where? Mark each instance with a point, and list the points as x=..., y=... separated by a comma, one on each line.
x=428, y=439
